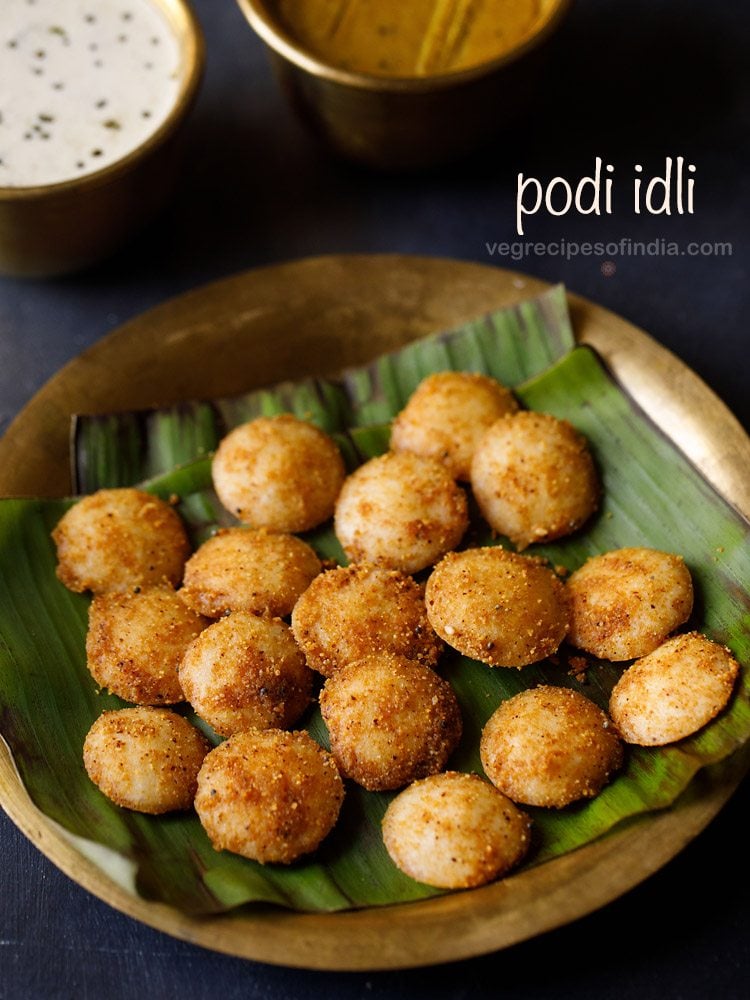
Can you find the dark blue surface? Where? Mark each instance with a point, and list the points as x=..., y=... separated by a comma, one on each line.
x=632, y=81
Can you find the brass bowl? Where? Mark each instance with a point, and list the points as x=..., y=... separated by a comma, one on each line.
x=57, y=228
x=404, y=122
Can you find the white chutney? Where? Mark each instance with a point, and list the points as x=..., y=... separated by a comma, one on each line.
x=82, y=84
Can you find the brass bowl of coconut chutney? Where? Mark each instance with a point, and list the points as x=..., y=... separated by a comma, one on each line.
x=396, y=121
x=50, y=228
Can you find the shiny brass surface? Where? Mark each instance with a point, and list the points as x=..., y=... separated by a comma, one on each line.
x=404, y=122
x=313, y=317
x=57, y=228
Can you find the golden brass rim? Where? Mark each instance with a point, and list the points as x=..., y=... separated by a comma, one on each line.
x=265, y=24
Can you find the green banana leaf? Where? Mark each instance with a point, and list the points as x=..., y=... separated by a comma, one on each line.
x=48, y=701
x=513, y=345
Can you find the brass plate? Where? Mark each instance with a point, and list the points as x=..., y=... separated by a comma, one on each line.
x=314, y=317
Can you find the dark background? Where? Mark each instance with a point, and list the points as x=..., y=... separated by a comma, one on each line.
x=631, y=81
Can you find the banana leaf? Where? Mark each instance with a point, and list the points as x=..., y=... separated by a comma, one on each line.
x=652, y=495
x=512, y=345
